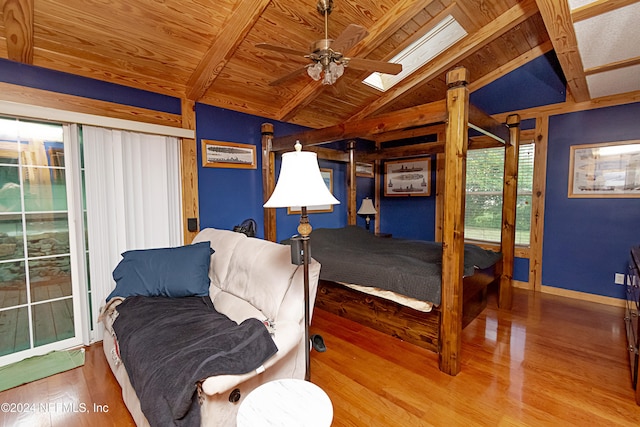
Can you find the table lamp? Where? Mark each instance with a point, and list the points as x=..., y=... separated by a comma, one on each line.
x=366, y=208
x=300, y=184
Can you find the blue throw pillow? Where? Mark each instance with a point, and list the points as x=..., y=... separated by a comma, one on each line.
x=169, y=272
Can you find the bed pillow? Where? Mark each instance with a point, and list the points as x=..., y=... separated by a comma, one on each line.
x=170, y=272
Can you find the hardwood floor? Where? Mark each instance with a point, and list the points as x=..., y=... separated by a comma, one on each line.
x=551, y=361
x=85, y=396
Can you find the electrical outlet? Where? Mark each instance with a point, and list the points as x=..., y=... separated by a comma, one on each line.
x=619, y=279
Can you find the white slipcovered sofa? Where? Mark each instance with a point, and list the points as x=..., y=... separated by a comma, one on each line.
x=249, y=277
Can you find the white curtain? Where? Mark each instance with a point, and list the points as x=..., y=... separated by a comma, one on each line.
x=132, y=184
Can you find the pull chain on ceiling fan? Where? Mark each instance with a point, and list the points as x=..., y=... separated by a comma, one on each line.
x=328, y=62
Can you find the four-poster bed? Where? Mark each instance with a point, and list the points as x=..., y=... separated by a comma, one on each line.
x=461, y=298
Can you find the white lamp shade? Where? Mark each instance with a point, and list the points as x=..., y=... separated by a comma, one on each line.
x=366, y=208
x=300, y=183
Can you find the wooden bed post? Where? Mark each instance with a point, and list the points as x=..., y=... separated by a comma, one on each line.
x=453, y=220
x=351, y=184
x=439, y=195
x=377, y=192
x=268, y=180
x=509, y=198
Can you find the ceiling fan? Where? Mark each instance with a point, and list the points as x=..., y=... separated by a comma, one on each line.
x=327, y=59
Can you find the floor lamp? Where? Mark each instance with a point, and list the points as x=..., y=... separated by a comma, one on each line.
x=300, y=184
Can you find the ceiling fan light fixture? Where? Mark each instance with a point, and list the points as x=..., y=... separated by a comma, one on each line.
x=332, y=72
x=327, y=55
x=314, y=71
x=328, y=73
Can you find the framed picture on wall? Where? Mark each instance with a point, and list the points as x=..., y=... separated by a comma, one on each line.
x=609, y=169
x=364, y=169
x=327, y=176
x=218, y=154
x=408, y=177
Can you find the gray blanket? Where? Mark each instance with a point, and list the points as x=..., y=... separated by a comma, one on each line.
x=408, y=267
x=168, y=345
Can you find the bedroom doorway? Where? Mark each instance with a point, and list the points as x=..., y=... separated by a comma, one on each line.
x=40, y=290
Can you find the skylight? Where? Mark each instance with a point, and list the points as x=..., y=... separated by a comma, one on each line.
x=444, y=35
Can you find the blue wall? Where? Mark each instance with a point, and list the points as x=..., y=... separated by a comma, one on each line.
x=410, y=217
x=587, y=241
x=536, y=83
x=228, y=196
x=55, y=81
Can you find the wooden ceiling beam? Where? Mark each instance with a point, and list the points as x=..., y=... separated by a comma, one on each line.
x=401, y=134
x=480, y=119
x=413, y=150
x=332, y=154
x=613, y=66
x=432, y=113
x=392, y=21
x=18, y=26
x=435, y=147
x=483, y=141
x=467, y=46
x=224, y=46
x=557, y=19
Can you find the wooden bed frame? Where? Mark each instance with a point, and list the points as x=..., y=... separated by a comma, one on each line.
x=392, y=318
x=450, y=120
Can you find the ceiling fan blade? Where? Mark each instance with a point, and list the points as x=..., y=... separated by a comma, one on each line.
x=371, y=65
x=349, y=38
x=281, y=49
x=289, y=76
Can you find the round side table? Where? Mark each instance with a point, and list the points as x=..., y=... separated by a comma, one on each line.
x=286, y=403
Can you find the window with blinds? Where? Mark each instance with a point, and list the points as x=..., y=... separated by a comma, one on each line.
x=483, y=212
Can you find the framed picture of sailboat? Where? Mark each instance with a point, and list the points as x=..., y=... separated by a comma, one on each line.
x=408, y=177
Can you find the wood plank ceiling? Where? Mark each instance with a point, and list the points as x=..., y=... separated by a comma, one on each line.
x=204, y=50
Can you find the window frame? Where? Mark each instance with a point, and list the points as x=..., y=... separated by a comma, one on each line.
x=521, y=192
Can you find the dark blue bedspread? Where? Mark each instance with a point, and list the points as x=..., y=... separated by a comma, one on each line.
x=408, y=267
x=168, y=345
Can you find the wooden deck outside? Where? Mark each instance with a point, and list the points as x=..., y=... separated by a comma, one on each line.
x=52, y=321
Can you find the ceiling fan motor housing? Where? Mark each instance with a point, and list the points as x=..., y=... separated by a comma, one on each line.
x=327, y=63
x=321, y=51
x=324, y=6
x=320, y=45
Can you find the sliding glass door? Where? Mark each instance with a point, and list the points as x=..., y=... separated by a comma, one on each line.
x=47, y=225
x=40, y=292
